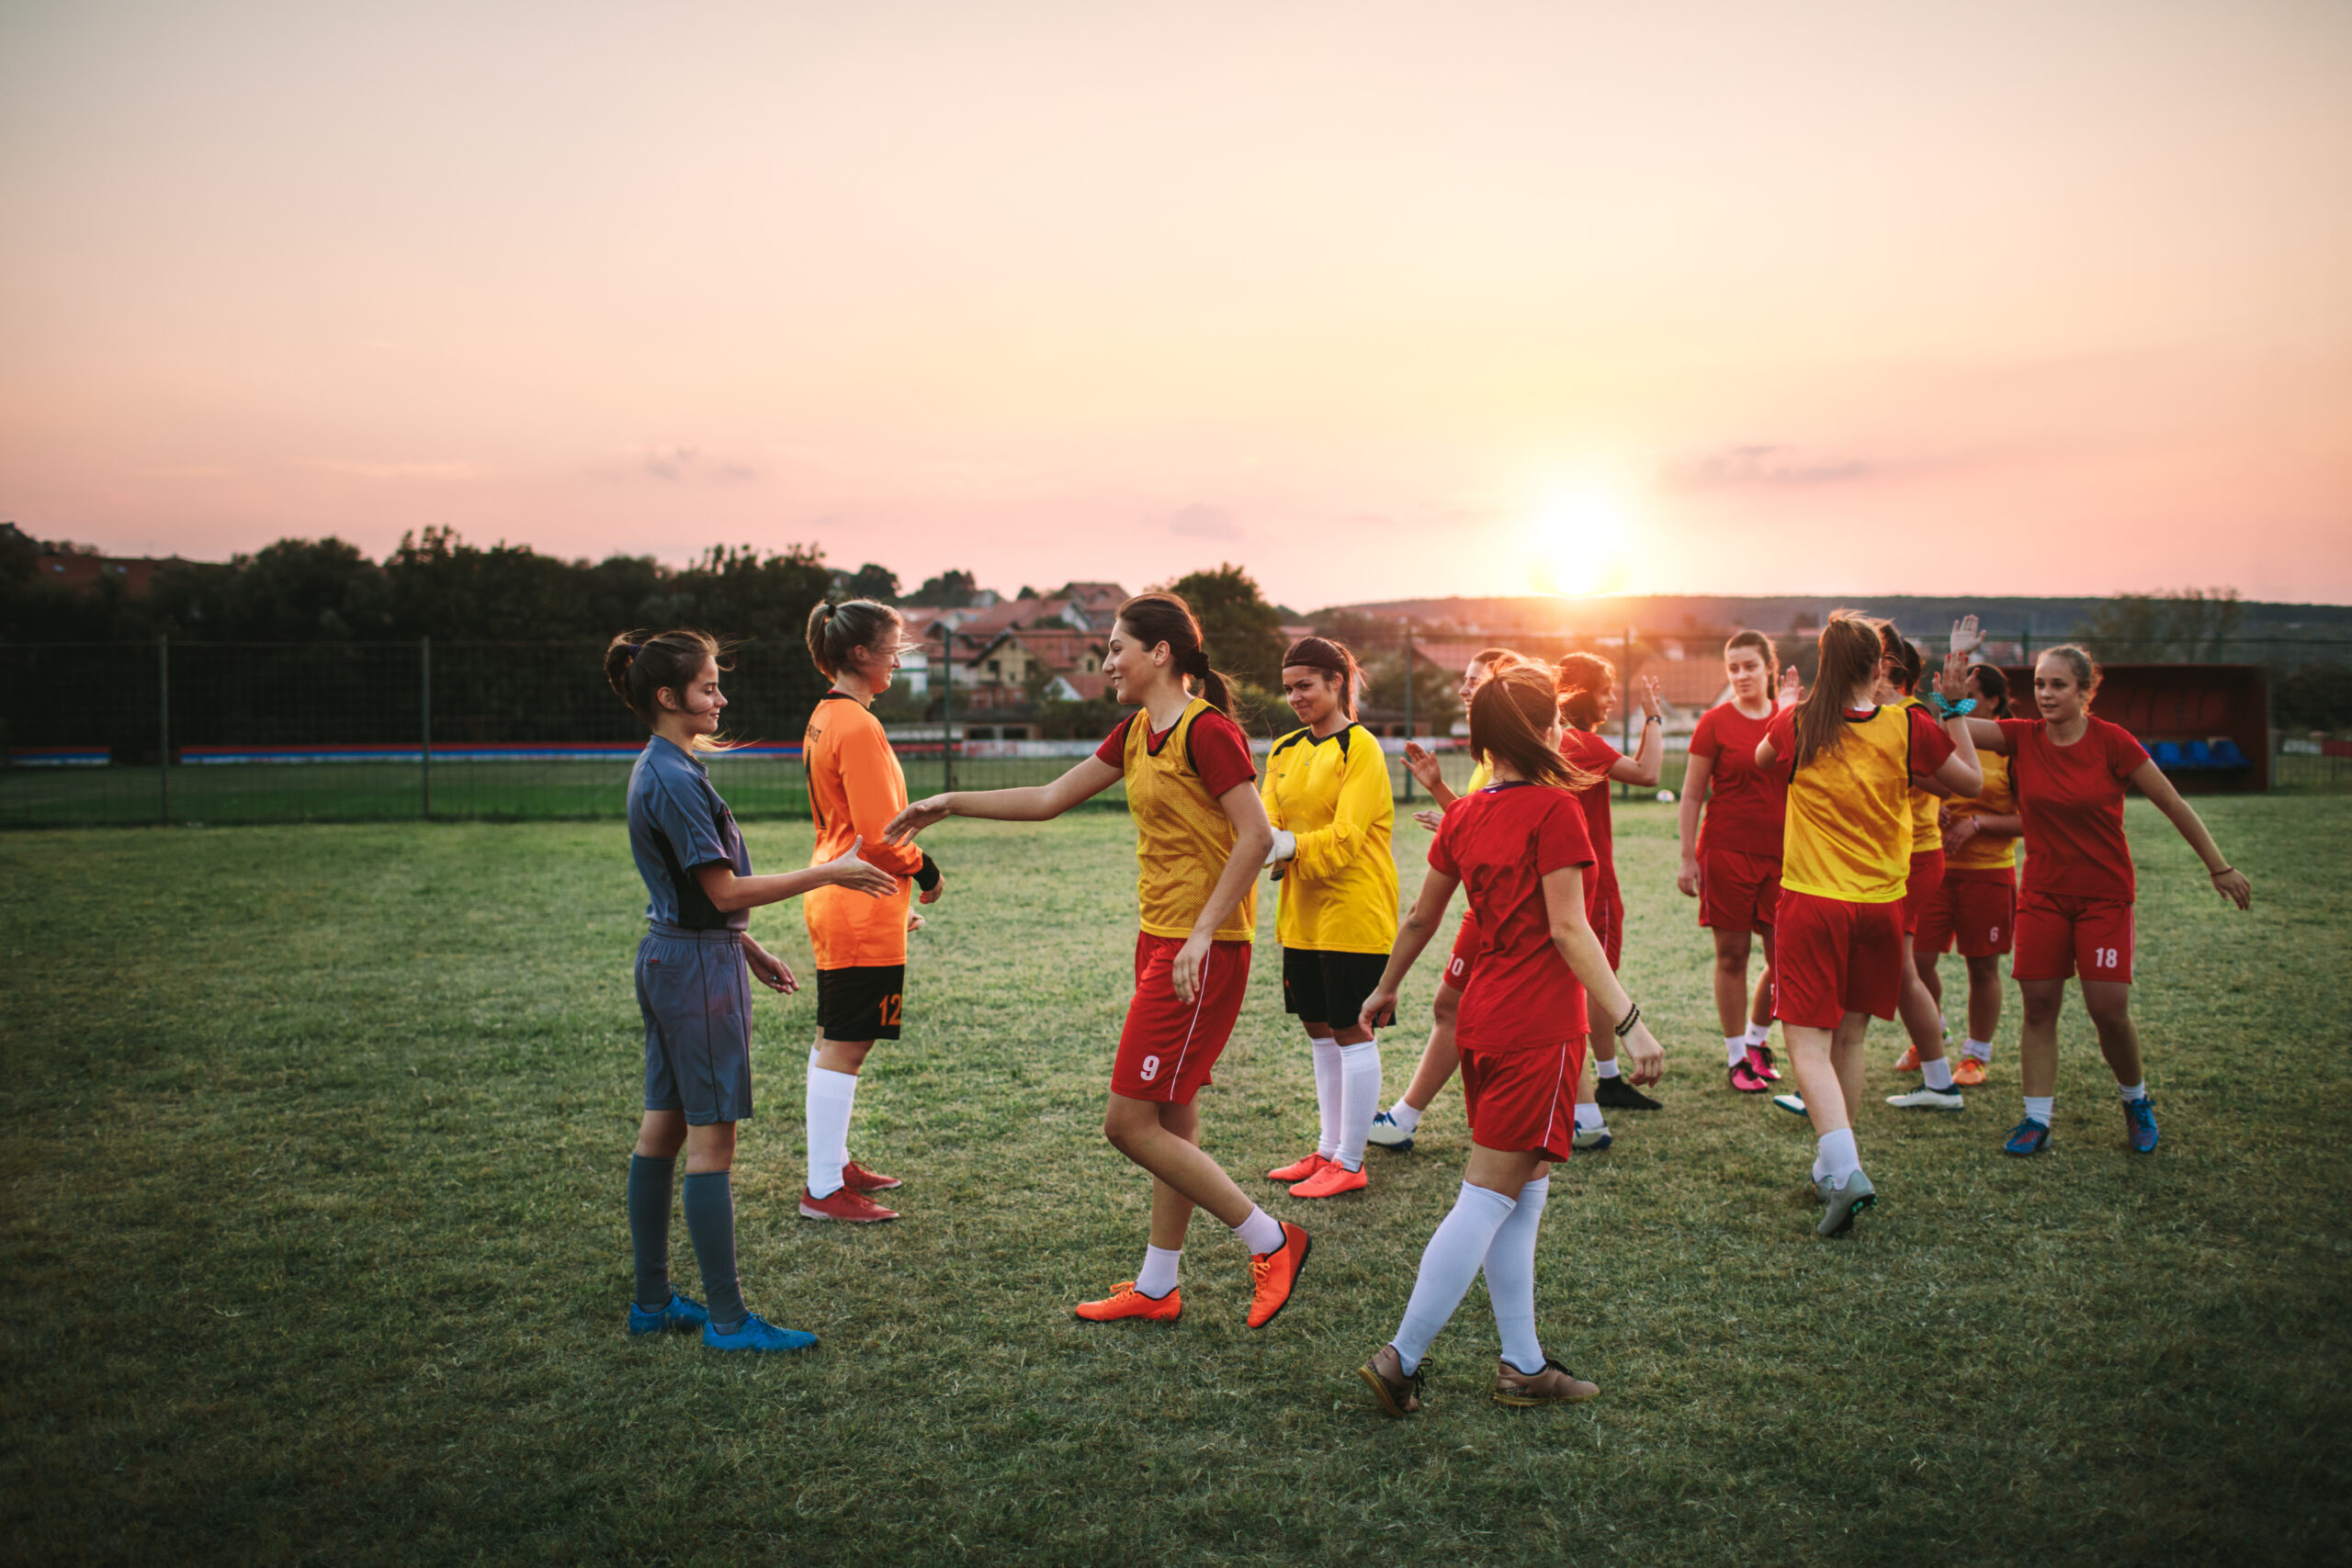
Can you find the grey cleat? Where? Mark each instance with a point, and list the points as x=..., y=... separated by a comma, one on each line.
x=1840, y=1204
x=1926, y=1099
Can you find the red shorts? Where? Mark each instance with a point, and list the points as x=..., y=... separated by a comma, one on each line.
x=1168, y=1046
x=1524, y=1100
x=1919, y=889
x=1977, y=909
x=2058, y=934
x=1465, y=959
x=1738, y=892
x=1609, y=925
x=1831, y=957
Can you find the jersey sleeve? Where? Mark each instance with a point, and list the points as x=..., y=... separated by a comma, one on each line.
x=1931, y=746
x=1365, y=802
x=871, y=783
x=1704, y=741
x=1220, y=753
x=691, y=828
x=1782, y=733
x=1268, y=791
x=2124, y=753
x=1113, y=749
x=1562, y=838
x=1441, y=847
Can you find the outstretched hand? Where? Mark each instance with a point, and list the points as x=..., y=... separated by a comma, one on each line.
x=1965, y=638
x=858, y=875
x=919, y=815
x=1429, y=817
x=1422, y=764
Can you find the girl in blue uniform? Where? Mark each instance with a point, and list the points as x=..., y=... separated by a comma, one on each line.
x=691, y=985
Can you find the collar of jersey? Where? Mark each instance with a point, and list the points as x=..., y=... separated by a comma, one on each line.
x=682, y=751
x=1850, y=716
x=1501, y=785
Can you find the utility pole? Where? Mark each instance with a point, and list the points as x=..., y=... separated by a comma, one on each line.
x=424, y=704
x=164, y=730
x=1409, y=672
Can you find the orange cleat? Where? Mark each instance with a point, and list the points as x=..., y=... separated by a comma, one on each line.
x=849, y=1205
x=1274, y=1275
x=1909, y=1061
x=864, y=1180
x=1968, y=1072
x=1331, y=1180
x=1126, y=1301
x=1299, y=1169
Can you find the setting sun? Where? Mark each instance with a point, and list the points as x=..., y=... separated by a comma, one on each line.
x=1578, y=544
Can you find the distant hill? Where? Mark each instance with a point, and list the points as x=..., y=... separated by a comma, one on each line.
x=1668, y=615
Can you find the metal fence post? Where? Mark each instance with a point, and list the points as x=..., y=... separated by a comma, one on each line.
x=164, y=730
x=947, y=710
x=1625, y=714
x=424, y=694
x=1409, y=705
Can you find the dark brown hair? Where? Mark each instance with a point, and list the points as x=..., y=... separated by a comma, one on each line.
x=1761, y=644
x=1494, y=658
x=2086, y=667
x=1851, y=651
x=1511, y=717
x=639, y=664
x=1582, y=678
x=1161, y=616
x=835, y=629
x=1334, y=659
x=1909, y=664
x=1996, y=687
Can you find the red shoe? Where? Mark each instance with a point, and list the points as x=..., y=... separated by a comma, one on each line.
x=1299, y=1169
x=848, y=1205
x=1747, y=1080
x=1759, y=1059
x=1331, y=1180
x=864, y=1180
x=1275, y=1274
x=1968, y=1072
x=1909, y=1061
x=1125, y=1300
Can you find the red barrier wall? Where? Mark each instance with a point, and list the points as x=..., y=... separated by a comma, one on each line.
x=2181, y=703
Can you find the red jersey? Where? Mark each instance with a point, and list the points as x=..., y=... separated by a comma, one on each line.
x=1500, y=843
x=1745, y=803
x=2071, y=800
x=1594, y=755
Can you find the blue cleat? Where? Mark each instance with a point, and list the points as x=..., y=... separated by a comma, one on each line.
x=1386, y=1135
x=2140, y=1122
x=756, y=1333
x=679, y=1314
x=2028, y=1137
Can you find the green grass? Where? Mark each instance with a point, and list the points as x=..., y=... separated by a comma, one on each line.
x=314, y=1248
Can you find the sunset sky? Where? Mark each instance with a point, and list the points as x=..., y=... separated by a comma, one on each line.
x=1377, y=300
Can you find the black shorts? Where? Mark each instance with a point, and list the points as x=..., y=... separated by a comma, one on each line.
x=862, y=1003
x=1330, y=988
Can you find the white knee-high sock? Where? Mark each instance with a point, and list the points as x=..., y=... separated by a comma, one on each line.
x=1452, y=1259
x=1358, y=1100
x=832, y=1096
x=1327, y=1095
x=1511, y=1278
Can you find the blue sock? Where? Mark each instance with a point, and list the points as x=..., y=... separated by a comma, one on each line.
x=649, y=1228
x=710, y=1221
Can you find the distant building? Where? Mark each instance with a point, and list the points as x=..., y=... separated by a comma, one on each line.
x=80, y=569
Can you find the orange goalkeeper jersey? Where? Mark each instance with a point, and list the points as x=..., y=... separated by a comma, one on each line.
x=855, y=786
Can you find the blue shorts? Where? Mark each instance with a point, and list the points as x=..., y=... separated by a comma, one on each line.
x=696, y=994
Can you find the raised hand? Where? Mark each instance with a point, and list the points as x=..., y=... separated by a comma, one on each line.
x=1422, y=765
x=1965, y=637
x=919, y=815
x=1792, y=689
x=1653, y=704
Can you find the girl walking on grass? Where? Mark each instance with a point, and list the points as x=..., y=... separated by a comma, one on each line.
x=1201, y=837
x=1522, y=849
x=692, y=987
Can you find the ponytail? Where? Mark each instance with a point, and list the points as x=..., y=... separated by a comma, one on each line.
x=639, y=665
x=1904, y=653
x=1161, y=616
x=1510, y=720
x=1850, y=650
x=835, y=630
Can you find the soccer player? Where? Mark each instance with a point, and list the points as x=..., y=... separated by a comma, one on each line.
x=1976, y=908
x=692, y=987
x=855, y=786
x=2069, y=769
x=1899, y=673
x=1394, y=1128
x=1327, y=798
x=1201, y=837
x=1731, y=862
x=1837, y=942
x=1587, y=687
x=1521, y=847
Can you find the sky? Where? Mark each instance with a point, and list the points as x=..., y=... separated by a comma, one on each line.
x=1378, y=300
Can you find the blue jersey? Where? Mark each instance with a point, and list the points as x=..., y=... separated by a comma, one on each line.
x=676, y=822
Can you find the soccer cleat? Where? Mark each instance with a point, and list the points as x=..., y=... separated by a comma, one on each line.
x=1386, y=1135
x=1331, y=1180
x=1553, y=1385
x=1791, y=1104
x=1616, y=1094
x=1968, y=1072
x=1125, y=1300
x=1300, y=1169
x=1927, y=1098
x=2028, y=1137
x=1759, y=1059
x=1274, y=1275
x=2139, y=1124
x=679, y=1314
x=1592, y=1140
x=1840, y=1204
x=1909, y=1061
x=1398, y=1391
x=1748, y=1081
x=756, y=1333
x=848, y=1205
x=855, y=1175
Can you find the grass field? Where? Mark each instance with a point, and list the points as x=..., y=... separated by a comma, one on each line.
x=314, y=1248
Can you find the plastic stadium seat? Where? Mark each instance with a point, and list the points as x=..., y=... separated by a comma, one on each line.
x=2200, y=754
x=2168, y=757
x=2227, y=755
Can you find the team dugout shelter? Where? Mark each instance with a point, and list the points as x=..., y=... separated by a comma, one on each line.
x=2206, y=725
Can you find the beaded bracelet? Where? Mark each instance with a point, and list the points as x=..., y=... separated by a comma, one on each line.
x=1632, y=1018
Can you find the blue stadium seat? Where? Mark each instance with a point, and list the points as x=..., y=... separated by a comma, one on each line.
x=2200, y=754
x=2227, y=755
x=2168, y=757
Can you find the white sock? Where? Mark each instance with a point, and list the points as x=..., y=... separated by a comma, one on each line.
x=1606, y=1069
x=1938, y=1073
x=2037, y=1107
x=1511, y=1279
x=1840, y=1159
x=1735, y=1050
x=1977, y=1050
x=830, y=1097
x=1589, y=1119
x=1452, y=1259
x=1759, y=1034
x=1326, y=1094
x=2133, y=1090
x=1405, y=1116
x=1260, y=1233
x=1158, y=1275
x=1358, y=1100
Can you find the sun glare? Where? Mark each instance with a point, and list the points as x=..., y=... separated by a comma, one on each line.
x=1578, y=544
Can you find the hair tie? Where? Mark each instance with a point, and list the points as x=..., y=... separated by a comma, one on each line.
x=1197, y=662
